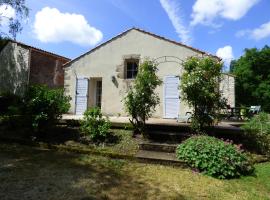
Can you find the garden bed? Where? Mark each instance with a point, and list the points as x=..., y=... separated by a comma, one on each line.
x=68, y=139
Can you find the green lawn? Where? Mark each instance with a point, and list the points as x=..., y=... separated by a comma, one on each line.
x=34, y=173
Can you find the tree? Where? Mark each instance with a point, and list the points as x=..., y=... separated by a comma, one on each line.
x=13, y=21
x=200, y=89
x=141, y=99
x=252, y=72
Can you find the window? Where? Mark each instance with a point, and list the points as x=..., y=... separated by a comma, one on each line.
x=131, y=69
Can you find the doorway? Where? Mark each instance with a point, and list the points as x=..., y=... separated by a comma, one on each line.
x=98, y=92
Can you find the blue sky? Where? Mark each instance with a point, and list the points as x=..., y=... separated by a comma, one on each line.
x=72, y=27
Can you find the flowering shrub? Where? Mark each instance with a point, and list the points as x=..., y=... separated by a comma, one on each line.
x=200, y=89
x=214, y=157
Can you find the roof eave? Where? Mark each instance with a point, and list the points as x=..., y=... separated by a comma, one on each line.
x=145, y=32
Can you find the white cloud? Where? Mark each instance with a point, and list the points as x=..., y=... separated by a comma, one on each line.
x=6, y=13
x=205, y=11
x=51, y=25
x=226, y=53
x=262, y=32
x=257, y=34
x=172, y=8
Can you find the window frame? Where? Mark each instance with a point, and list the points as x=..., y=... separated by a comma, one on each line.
x=133, y=74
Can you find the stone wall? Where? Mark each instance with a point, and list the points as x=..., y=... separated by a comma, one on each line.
x=46, y=69
x=227, y=88
x=14, y=68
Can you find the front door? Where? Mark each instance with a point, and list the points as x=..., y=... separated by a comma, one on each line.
x=171, y=97
x=98, y=93
x=81, y=95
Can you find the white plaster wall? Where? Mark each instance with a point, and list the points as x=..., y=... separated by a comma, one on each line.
x=14, y=68
x=104, y=61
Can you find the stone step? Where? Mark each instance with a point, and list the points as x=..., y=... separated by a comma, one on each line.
x=168, y=132
x=168, y=136
x=155, y=146
x=158, y=158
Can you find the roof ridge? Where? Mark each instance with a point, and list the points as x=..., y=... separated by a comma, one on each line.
x=175, y=42
x=145, y=32
x=38, y=49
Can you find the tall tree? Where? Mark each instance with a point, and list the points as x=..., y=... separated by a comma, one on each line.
x=252, y=72
x=12, y=12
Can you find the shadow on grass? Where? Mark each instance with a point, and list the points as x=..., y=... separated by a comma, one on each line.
x=28, y=173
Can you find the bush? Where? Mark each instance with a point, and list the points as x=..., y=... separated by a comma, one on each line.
x=43, y=107
x=199, y=87
x=10, y=104
x=257, y=131
x=214, y=157
x=142, y=99
x=94, y=125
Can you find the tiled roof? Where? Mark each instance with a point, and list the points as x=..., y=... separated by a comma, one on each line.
x=40, y=50
x=145, y=32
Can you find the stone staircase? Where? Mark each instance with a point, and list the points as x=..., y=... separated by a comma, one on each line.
x=160, y=147
x=162, y=142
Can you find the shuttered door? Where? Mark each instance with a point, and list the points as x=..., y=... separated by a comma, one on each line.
x=81, y=95
x=171, y=97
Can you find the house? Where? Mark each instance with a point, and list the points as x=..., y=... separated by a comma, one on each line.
x=102, y=76
x=21, y=64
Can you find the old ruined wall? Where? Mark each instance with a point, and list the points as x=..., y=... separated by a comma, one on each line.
x=227, y=88
x=46, y=69
x=14, y=68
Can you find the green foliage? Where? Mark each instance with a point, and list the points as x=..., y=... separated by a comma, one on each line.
x=95, y=125
x=10, y=103
x=258, y=132
x=253, y=78
x=44, y=106
x=11, y=110
x=200, y=89
x=14, y=24
x=141, y=99
x=214, y=157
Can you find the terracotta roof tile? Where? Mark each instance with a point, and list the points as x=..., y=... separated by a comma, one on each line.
x=40, y=50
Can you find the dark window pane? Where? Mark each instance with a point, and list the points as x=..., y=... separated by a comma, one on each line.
x=132, y=69
x=98, y=93
x=129, y=74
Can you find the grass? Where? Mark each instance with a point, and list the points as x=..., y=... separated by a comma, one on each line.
x=126, y=145
x=34, y=173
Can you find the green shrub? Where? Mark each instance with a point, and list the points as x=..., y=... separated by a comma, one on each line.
x=10, y=104
x=43, y=107
x=95, y=125
x=199, y=87
x=257, y=131
x=214, y=157
x=141, y=99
